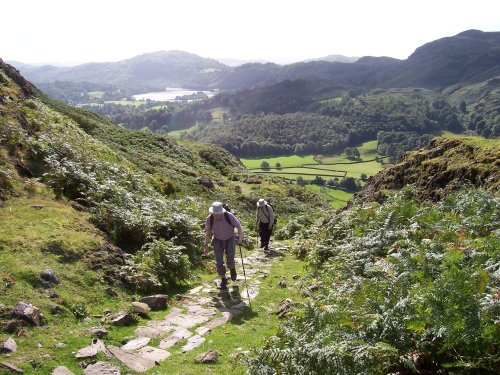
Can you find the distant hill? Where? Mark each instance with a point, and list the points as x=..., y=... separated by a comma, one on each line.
x=156, y=70
x=471, y=56
x=335, y=58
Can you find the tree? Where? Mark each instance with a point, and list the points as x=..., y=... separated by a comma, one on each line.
x=278, y=165
x=264, y=164
x=363, y=176
x=301, y=181
x=352, y=153
x=318, y=180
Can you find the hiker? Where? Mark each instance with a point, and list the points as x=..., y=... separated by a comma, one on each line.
x=265, y=218
x=222, y=223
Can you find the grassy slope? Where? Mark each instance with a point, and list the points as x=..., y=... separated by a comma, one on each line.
x=63, y=239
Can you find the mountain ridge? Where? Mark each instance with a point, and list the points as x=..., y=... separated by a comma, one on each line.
x=468, y=56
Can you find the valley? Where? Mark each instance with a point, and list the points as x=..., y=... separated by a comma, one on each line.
x=384, y=175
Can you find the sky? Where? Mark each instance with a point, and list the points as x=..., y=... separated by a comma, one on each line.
x=282, y=31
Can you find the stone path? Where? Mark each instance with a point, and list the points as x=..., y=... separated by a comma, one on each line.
x=184, y=328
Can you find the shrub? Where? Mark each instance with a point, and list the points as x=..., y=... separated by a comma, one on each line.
x=406, y=287
x=158, y=265
x=79, y=310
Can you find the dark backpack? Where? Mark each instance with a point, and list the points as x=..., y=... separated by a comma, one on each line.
x=275, y=217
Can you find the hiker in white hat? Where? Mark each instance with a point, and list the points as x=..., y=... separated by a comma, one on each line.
x=266, y=219
x=221, y=224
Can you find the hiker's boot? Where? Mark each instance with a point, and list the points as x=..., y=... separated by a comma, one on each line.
x=233, y=274
x=223, y=283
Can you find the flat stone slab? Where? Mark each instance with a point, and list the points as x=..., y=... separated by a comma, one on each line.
x=188, y=321
x=193, y=342
x=226, y=317
x=101, y=368
x=136, y=344
x=178, y=335
x=173, y=313
x=62, y=370
x=155, y=354
x=195, y=290
x=144, y=331
x=202, y=331
x=161, y=325
x=87, y=352
x=132, y=361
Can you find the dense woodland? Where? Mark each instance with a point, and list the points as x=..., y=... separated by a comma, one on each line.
x=337, y=124
x=159, y=117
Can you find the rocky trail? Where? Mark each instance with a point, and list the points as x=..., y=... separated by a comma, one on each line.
x=185, y=327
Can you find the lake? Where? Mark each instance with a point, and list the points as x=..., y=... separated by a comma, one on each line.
x=171, y=93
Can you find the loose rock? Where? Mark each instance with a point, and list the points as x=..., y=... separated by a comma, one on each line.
x=28, y=312
x=61, y=370
x=141, y=308
x=208, y=357
x=156, y=302
x=101, y=368
x=98, y=332
x=50, y=276
x=123, y=319
x=11, y=367
x=8, y=346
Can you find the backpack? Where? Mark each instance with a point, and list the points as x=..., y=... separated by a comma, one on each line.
x=275, y=217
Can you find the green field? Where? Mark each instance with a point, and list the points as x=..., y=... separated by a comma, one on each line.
x=325, y=166
x=285, y=161
x=177, y=133
x=96, y=94
x=135, y=103
x=337, y=198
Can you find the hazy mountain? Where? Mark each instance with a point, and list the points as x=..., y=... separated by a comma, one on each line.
x=471, y=56
x=335, y=58
x=156, y=69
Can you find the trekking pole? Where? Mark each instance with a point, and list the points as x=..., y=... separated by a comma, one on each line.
x=245, y=276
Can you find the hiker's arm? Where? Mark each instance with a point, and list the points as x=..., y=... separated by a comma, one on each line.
x=238, y=226
x=207, y=239
x=271, y=217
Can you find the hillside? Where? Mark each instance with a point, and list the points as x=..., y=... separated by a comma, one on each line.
x=408, y=284
x=471, y=56
x=443, y=166
x=115, y=215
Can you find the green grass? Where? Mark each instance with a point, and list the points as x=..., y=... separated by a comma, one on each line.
x=337, y=198
x=177, y=133
x=135, y=103
x=285, y=161
x=218, y=113
x=96, y=94
x=56, y=237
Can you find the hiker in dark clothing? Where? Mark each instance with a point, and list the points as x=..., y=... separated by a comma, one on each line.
x=221, y=224
x=265, y=218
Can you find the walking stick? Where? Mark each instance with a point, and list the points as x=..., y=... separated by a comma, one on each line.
x=245, y=275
